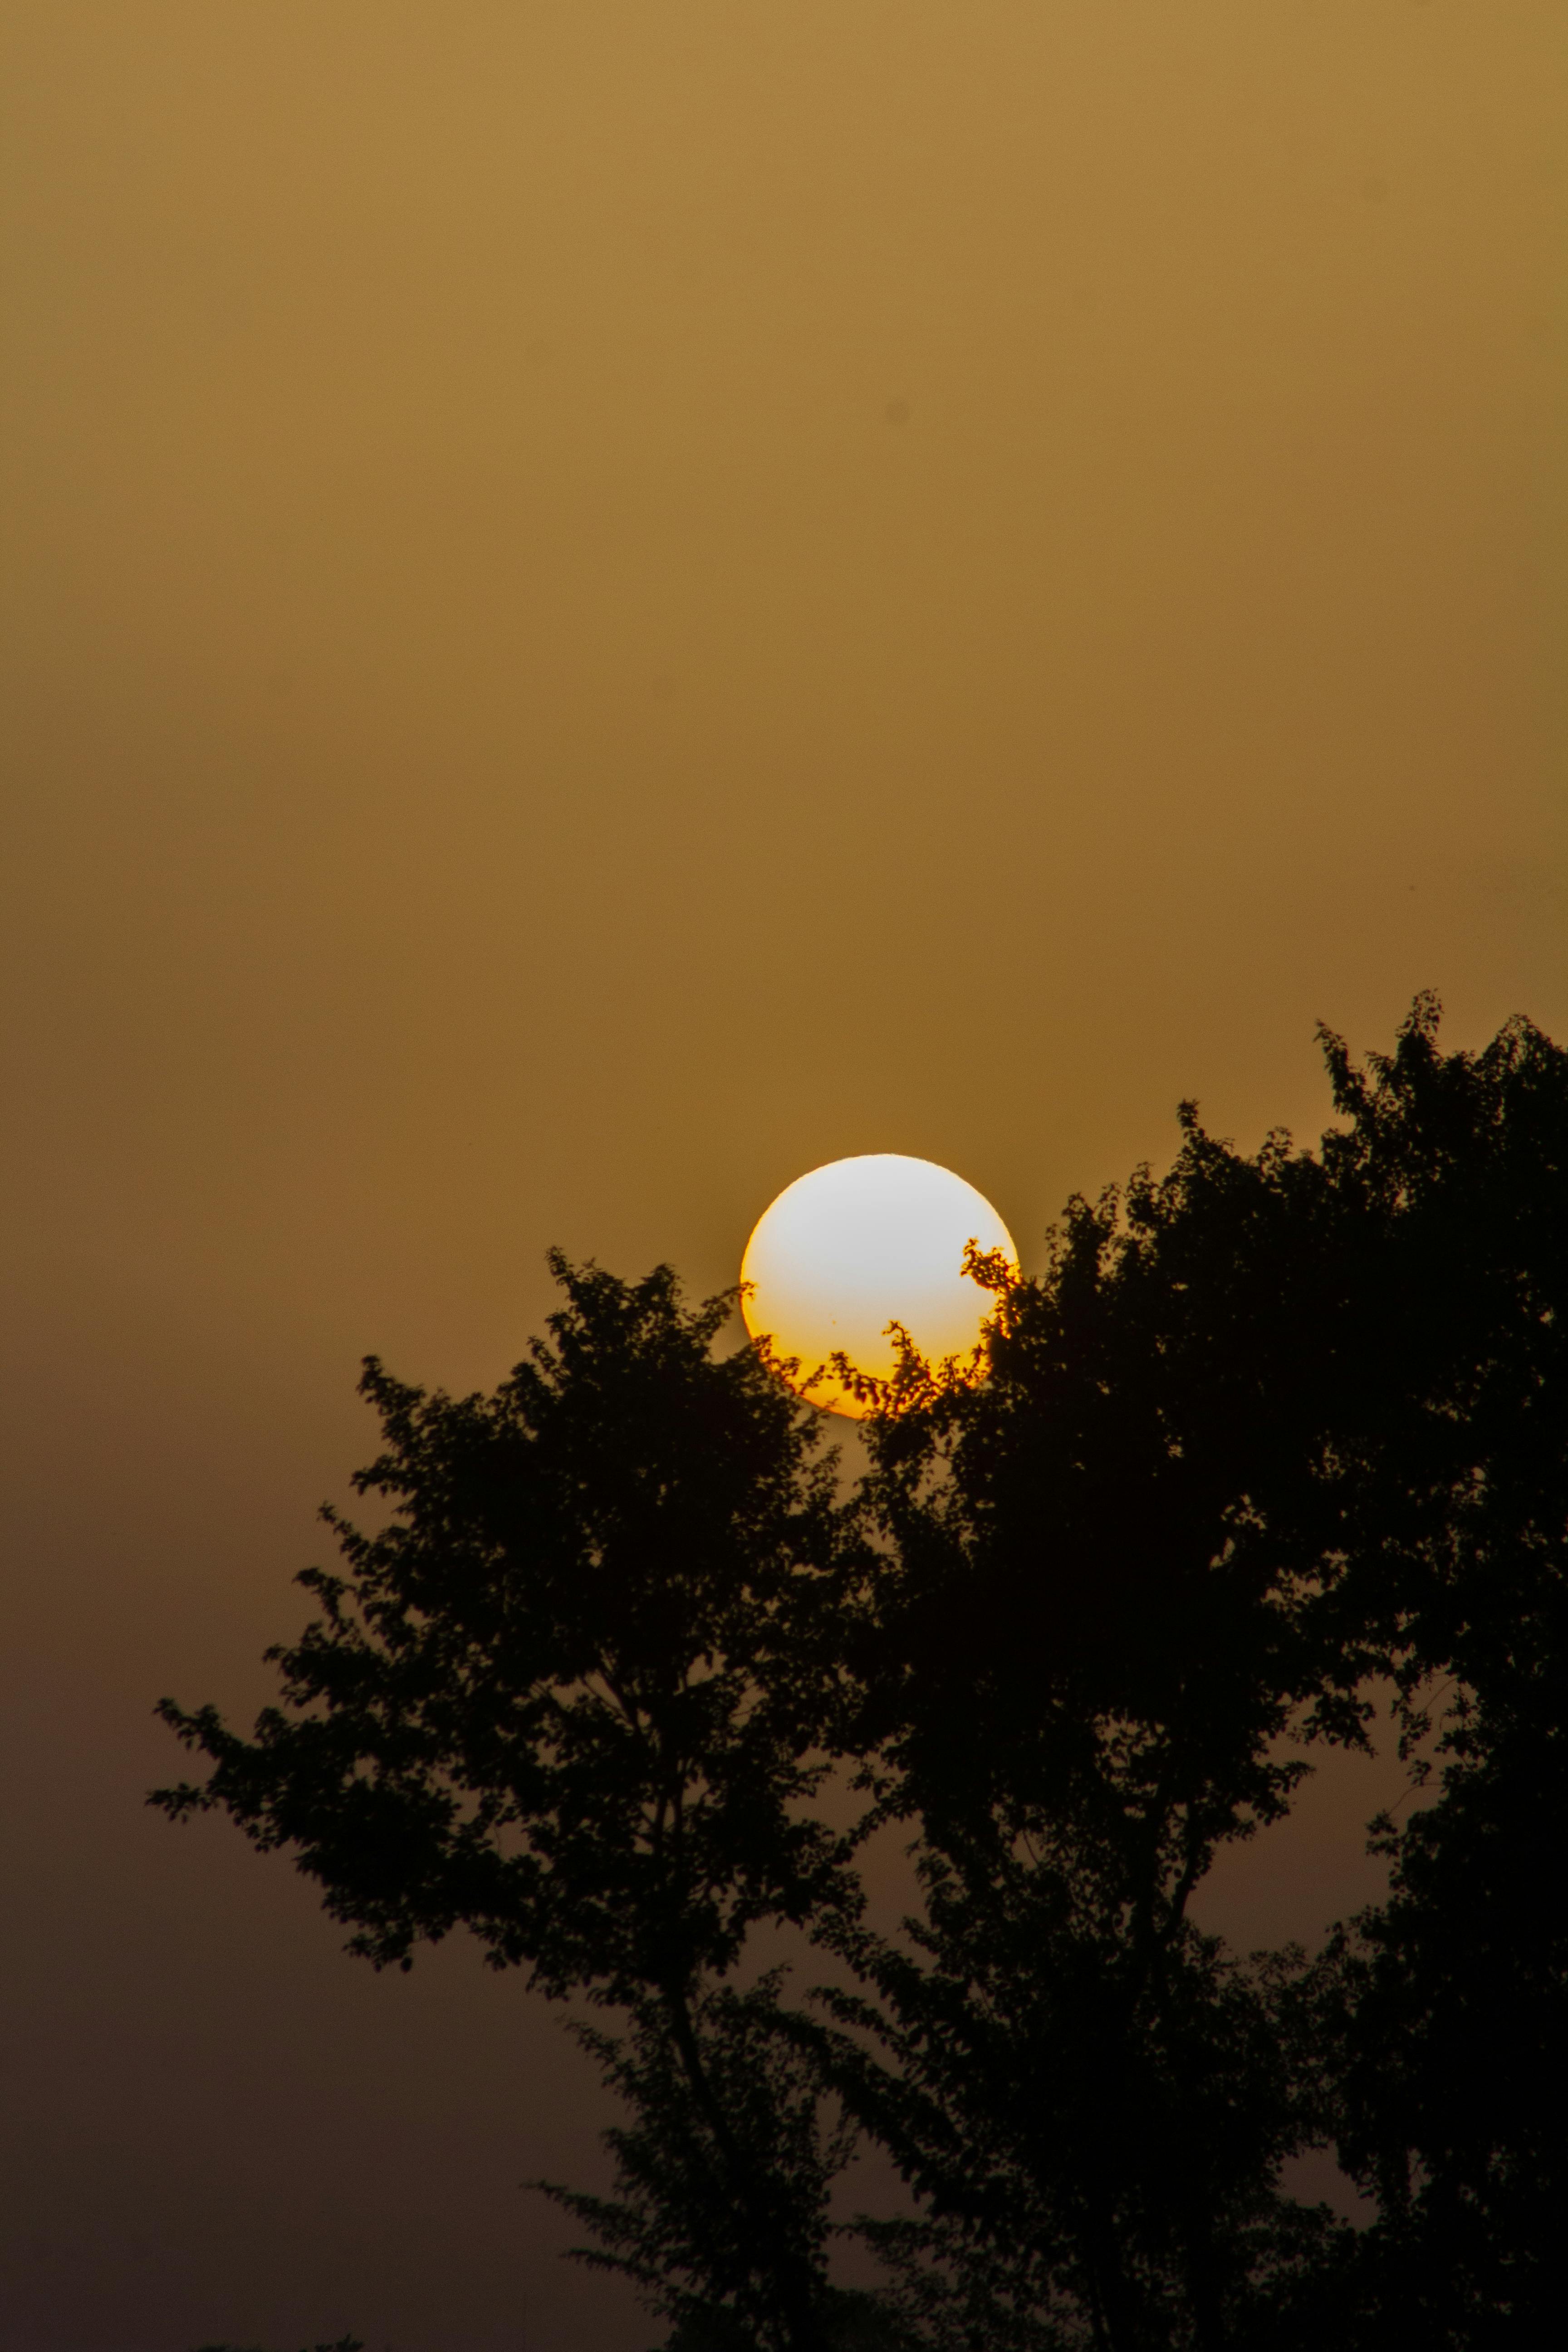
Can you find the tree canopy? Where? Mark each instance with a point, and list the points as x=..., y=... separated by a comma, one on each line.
x=1269, y=1434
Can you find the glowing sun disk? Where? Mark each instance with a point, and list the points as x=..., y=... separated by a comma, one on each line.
x=861, y=1244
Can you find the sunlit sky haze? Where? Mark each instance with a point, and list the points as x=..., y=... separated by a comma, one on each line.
x=605, y=604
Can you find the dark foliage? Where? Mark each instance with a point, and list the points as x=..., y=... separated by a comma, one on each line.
x=568, y=1696
x=1270, y=1434
x=571, y=1697
x=671, y=2226
x=1267, y=1428
x=1446, y=2019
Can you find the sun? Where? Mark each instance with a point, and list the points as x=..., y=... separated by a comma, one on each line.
x=861, y=1243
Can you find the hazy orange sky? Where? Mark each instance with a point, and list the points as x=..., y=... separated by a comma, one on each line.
x=607, y=601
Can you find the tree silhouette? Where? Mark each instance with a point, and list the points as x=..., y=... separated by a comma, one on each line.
x=669, y=2227
x=1270, y=1434
x=1266, y=1428
x=1447, y=2007
x=571, y=1697
x=1099, y=1622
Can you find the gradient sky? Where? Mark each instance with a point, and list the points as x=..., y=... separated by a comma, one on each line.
x=607, y=601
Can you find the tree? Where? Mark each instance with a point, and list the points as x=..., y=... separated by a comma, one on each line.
x=669, y=2227
x=1266, y=1428
x=572, y=1697
x=1270, y=1432
x=1095, y=1634
x=1445, y=2018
